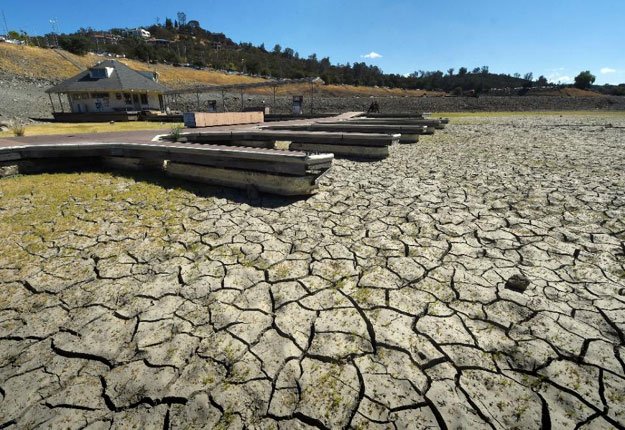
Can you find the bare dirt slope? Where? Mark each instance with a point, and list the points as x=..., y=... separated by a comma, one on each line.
x=380, y=302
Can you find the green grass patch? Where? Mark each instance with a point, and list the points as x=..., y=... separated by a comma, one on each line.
x=38, y=210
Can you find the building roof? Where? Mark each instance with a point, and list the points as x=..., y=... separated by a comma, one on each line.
x=123, y=78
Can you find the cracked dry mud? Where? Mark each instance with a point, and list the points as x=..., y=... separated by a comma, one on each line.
x=378, y=303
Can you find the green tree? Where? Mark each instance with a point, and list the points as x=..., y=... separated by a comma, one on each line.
x=542, y=81
x=584, y=80
x=182, y=19
x=76, y=44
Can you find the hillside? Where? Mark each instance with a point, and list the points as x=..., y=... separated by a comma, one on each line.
x=25, y=73
x=187, y=43
x=49, y=65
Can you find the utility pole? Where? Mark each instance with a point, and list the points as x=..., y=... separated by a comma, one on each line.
x=6, y=27
x=55, y=30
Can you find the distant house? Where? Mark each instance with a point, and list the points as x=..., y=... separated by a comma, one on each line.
x=140, y=32
x=109, y=87
x=105, y=38
x=158, y=42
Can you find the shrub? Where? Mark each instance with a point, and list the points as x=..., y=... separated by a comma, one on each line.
x=175, y=132
x=584, y=80
x=18, y=128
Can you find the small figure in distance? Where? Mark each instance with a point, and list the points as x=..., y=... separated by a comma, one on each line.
x=374, y=107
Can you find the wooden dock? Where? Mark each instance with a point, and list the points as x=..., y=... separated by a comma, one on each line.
x=242, y=157
x=267, y=170
x=348, y=145
x=409, y=134
x=430, y=123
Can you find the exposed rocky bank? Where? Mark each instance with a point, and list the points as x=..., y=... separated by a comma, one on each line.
x=25, y=99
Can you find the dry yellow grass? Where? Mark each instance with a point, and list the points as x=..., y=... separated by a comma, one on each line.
x=48, y=64
x=39, y=63
x=568, y=92
x=90, y=127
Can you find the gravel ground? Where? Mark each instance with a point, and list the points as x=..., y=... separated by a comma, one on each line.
x=387, y=300
x=414, y=104
x=23, y=98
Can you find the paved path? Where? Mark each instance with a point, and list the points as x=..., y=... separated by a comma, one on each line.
x=380, y=302
x=142, y=136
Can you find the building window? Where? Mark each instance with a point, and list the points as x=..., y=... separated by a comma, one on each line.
x=127, y=98
x=100, y=95
x=118, y=96
x=144, y=99
x=98, y=73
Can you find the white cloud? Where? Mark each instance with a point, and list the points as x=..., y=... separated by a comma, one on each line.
x=372, y=55
x=559, y=78
x=606, y=70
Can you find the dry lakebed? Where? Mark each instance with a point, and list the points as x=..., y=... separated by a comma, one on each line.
x=473, y=280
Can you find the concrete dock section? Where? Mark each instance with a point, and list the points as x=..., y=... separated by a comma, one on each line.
x=267, y=170
x=349, y=145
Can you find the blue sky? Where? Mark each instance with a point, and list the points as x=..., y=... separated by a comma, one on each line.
x=555, y=38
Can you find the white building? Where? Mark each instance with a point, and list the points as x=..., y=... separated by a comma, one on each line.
x=109, y=87
x=140, y=32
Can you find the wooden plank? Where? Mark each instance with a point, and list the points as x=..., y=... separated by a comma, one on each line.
x=157, y=149
x=329, y=138
x=258, y=159
x=9, y=155
x=220, y=158
x=347, y=151
x=363, y=139
x=409, y=138
x=265, y=157
x=434, y=123
x=95, y=116
x=55, y=164
x=132, y=163
x=345, y=126
x=392, y=115
x=401, y=115
x=392, y=121
x=211, y=119
x=265, y=182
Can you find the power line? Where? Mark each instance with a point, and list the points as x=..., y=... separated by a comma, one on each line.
x=6, y=27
